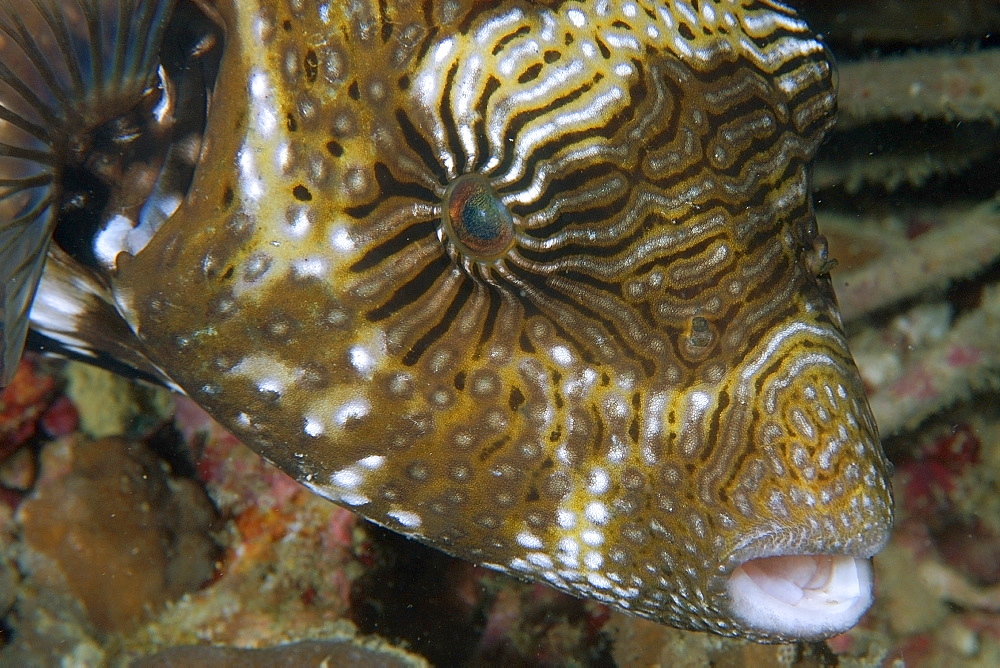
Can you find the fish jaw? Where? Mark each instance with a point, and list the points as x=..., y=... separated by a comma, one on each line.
x=809, y=584
x=806, y=573
x=801, y=596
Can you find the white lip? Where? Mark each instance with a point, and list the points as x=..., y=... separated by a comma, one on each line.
x=800, y=596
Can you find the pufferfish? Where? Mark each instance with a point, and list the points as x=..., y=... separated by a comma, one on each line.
x=537, y=283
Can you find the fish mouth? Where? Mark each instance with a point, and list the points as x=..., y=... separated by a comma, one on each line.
x=801, y=596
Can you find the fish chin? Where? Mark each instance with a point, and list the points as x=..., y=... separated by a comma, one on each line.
x=801, y=596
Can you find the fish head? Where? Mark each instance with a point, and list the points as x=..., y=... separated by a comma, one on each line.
x=539, y=285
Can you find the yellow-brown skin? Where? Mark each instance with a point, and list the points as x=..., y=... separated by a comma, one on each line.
x=653, y=372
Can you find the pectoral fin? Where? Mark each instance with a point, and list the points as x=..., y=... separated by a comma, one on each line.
x=26, y=219
x=65, y=67
x=74, y=316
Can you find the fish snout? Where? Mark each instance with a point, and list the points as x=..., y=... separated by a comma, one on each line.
x=815, y=496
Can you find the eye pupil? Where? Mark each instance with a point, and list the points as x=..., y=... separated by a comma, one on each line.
x=475, y=218
x=481, y=218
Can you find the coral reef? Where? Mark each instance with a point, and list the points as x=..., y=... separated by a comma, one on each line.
x=124, y=535
x=908, y=23
x=922, y=86
x=22, y=405
x=341, y=653
x=111, y=405
x=107, y=537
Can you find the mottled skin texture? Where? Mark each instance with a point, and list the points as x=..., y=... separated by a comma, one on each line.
x=650, y=381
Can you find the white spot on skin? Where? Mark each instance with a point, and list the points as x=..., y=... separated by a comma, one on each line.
x=515, y=55
x=362, y=361
x=631, y=592
x=580, y=384
x=616, y=408
x=540, y=560
x=562, y=355
x=699, y=402
x=283, y=156
x=624, y=70
x=519, y=564
x=442, y=50
x=300, y=224
x=555, y=579
x=259, y=85
x=250, y=181
x=267, y=121
x=336, y=494
x=599, y=482
x=372, y=462
x=592, y=537
x=597, y=512
x=355, y=409
x=347, y=478
x=802, y=422
x=569, y=549
x=495, y=23
x=593, y=560
x=408, y=519
x=529, y=540
x=310, y=267
x=270, y=385
x=495, y=567
x=313, y=427
x=341, y=239
x=654, y=422
x=618, y=450
x=565, y=519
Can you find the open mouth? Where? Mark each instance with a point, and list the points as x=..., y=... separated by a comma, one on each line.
x=801, y=596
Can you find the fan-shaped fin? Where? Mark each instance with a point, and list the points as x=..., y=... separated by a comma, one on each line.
x=65, y=66
x=74, y=316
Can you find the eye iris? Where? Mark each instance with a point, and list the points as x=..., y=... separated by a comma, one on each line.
x=475, y=218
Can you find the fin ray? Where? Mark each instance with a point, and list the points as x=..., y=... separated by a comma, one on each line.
x=23, y=249
x=76, y=314
x=65, y=66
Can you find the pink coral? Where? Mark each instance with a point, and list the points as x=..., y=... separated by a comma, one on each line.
x=928, y=476
x=22, y=403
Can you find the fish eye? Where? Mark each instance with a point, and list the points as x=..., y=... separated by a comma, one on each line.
x=475, y=218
